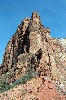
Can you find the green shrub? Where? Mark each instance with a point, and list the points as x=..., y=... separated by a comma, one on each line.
x=4, y=86
x=28, y=76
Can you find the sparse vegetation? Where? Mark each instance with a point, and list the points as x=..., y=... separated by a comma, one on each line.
x=28, y=76
x=4, y=86
x=19, y=71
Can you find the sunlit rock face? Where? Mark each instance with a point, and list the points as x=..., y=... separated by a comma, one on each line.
x=32, y=45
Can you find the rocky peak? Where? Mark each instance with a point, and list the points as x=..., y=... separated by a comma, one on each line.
x=32, y=45
x=35, y=17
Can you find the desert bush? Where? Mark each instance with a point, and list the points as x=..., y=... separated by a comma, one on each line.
x=4, y=86
x=28, y=76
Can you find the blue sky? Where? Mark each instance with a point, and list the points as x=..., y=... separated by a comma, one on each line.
x=12, y=12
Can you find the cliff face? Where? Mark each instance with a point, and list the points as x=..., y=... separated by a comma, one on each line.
x=32, y=45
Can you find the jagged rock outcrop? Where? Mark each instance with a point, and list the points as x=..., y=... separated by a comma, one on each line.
x=32, y=45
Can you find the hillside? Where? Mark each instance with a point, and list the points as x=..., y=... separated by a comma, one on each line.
x=32, y=53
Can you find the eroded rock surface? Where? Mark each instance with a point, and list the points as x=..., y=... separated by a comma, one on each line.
x=32, y=45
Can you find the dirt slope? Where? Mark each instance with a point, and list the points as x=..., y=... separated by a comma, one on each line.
x=36, y=89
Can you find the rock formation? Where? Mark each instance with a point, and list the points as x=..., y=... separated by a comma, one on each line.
x=32, y=45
